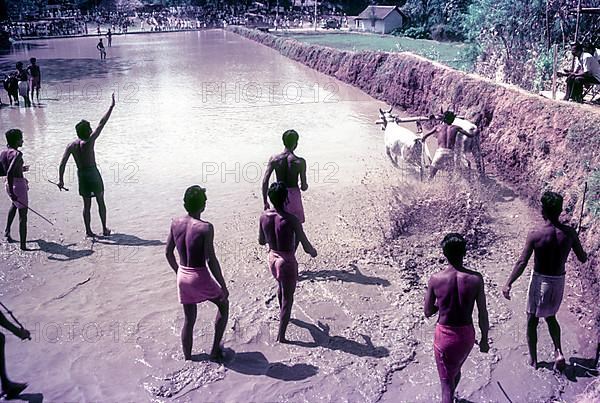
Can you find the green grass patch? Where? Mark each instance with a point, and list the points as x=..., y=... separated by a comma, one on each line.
x=452, y=54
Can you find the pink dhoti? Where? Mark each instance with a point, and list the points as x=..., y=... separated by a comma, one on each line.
x=20, y=188
x=293, y=204
x=284, y=267
x=452, y=345
x=195, y=285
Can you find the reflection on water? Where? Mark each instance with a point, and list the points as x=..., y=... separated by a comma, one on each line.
x=192, y=108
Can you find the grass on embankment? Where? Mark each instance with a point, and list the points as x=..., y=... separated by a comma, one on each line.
x=452, y=54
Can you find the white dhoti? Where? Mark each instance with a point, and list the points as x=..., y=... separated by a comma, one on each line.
x=443, y=157
x=545, y=294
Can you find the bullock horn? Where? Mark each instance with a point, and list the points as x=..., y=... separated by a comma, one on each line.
x=381, y=112
x=390, y=111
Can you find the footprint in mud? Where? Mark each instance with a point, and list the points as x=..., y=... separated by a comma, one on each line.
x=192, y=376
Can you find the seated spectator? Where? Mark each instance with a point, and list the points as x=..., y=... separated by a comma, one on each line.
x=588, y=72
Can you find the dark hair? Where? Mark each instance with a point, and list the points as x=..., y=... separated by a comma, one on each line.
x=454, y=247
x=19, y=65
x=194, y=199
x=552, y=205
x=278, y=194
x=33, y=60
x=290, y=138
x=83, y=129
x=13, y=136
x=449, y=117
x=577, y=47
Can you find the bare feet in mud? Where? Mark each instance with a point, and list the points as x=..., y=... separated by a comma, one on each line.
x=217, y=356
x=559, y=362
x=14, y=389
x=90, y=234
x=532, y=363
x=106, y=232
x=24, y=247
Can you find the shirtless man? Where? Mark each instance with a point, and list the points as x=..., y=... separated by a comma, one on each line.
x=9, y=388
x=193, y=238
x=282, y=231
x=90, y=180
x=101, y=49
x=446, y=134
x=288, y=167
x=35, y=78
x=453, y=293
x=11, y=161
x=550, y=243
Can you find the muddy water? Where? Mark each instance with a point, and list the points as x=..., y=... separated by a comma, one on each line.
x=104, y=314
x=206, y=108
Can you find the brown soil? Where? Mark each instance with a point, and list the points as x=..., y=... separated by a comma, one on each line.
x=533, y=143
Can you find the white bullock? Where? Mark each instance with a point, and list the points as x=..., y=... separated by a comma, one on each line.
x=402, y=143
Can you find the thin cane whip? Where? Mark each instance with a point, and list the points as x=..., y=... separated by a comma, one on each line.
x=582, y=206
x=13, y=317
x=60, y=187
x=38, y=214
x=505, y=394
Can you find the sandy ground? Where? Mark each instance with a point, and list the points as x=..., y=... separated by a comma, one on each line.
x=106, y=321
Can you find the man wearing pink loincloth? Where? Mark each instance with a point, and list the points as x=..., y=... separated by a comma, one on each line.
x=453, y=293
x=193, y=238
x=11, y=164
x=282, y=231
x=288, y=168
x=552, y=242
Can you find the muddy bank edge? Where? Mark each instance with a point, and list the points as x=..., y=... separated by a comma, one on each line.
x=531, y=142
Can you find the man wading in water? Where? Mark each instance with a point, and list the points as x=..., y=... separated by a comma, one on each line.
x=90, y=180
x=551, y=244
x=288, y=168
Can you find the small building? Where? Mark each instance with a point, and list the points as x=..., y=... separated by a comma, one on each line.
x=380, y=19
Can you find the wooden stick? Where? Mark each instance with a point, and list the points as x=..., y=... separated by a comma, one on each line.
x=502, y=389
x=13, y=317
x=582, y=206
x=60, y=187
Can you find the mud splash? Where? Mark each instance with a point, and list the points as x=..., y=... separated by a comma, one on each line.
x=531, y=142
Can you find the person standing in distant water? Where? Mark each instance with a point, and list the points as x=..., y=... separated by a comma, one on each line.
x=35, y=78
x=283, y=231
x=11, y=163
x=551, y=244
x=194, y=240
x=23, y=78
x=90, y=180
x=100, y=47
x=288, y=168
x=453, y=293
x=9, y=388
x=109, y=37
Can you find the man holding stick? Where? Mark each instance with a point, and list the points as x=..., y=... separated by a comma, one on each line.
x=90, y=180
x=11, y=163
x=551, y=243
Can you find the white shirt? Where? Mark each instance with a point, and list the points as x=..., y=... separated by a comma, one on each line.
x=591, y=64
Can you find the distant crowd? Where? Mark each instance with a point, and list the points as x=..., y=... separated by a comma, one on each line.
x=74, y=22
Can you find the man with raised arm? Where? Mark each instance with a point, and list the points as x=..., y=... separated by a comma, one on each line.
x=282, y=231
x=453, y=293
x=193, y=238
x=90, y=180
x=9, y=388
x=288, y=169
x=551, y=244
x=446, y=134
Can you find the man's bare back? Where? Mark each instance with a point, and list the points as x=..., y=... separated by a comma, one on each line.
x=83, y=153
x=288, y=169
x=12, y=160
x=190, y=236
x=552, y=243
x=456, y=292
x=280, y=230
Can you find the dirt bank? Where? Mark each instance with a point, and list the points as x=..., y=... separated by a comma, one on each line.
x=532, y=142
